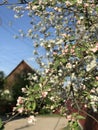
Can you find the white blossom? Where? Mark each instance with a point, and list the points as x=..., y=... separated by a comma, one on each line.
x=79, y=1
x=31, y=120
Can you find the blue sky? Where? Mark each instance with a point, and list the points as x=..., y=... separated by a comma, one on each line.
x=12, y=51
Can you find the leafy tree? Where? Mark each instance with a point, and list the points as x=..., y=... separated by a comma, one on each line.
x=66, y=31
x=2, y=79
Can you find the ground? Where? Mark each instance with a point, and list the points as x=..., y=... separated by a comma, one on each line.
x=43, y=123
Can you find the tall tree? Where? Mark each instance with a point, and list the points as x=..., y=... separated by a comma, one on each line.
x=66, y=31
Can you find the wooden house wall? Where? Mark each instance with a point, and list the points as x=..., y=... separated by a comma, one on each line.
x=20, y=70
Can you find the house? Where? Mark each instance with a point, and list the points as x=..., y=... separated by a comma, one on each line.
x=21, y=70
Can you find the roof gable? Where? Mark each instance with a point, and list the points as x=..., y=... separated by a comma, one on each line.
x=20, y=71
x=23, y=65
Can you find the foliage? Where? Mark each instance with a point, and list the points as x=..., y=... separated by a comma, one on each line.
x=72, y=125
x=1, y=125
x=66, y=32
x=6, y=95
x=2, y=80
x=6, y=101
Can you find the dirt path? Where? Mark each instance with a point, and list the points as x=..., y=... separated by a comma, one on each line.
x=43, y=123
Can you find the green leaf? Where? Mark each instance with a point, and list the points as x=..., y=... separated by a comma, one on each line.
x=63, y=60
x=57, y=63
x=79, y=117
x=34, y=106
x=31, y=105
x=36, y=87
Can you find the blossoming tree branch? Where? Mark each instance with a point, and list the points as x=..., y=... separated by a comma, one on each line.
x=67, y=34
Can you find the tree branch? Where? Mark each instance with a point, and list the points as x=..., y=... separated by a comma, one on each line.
x=3, y=3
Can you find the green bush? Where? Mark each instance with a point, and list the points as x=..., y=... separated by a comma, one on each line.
x=1, y=125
